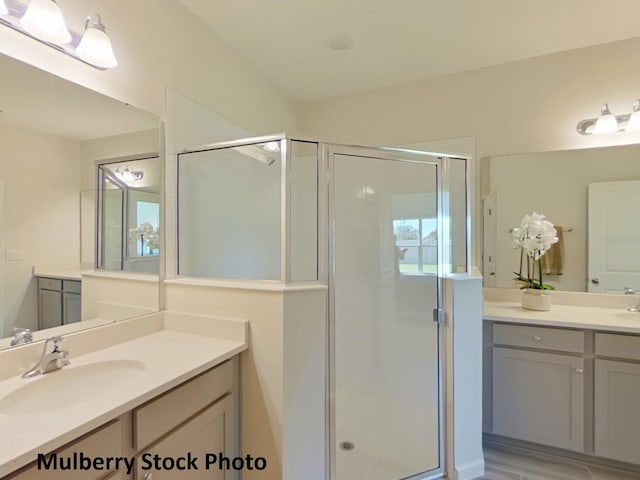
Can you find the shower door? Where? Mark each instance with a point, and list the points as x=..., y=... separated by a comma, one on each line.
x=385, y=397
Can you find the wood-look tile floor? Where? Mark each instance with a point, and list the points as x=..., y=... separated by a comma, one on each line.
x=515, y=464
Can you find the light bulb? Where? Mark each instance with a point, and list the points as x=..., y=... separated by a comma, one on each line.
x=634, y=120
x=606, y=123
x=43, y=19
x=3, y=8
x=95, y=46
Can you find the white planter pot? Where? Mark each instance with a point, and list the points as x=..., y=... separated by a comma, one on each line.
x=533, y=299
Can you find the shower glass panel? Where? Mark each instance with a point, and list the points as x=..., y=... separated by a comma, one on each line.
x=384, y=240
x=303, y=243
x=458, y=207
x=111, y=216
x=229, y=212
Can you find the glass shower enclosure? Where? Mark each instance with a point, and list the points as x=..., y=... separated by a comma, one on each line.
x=380, y=227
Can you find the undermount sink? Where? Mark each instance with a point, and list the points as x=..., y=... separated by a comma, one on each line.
x=70, y=386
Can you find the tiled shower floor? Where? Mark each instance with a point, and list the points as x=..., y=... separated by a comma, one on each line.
x=519, y=464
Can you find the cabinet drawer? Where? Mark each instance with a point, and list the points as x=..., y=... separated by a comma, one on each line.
x=618, y=346
x=72, y=286
x=538, y=337
x=103, y=442
x=160, y=416
x=49, y=283
x=209, y=432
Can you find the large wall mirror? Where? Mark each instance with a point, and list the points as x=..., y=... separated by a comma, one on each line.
x=591, y=196
x=53, y=137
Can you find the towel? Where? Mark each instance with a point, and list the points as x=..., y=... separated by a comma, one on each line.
x=553, y=259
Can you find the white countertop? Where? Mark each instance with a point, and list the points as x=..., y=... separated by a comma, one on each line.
x=170, y=357
x=59, y=273
x=593, y=318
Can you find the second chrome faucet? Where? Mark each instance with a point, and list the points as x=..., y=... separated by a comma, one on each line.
x=53, y=358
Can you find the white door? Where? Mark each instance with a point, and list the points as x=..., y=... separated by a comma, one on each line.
x=613, y=236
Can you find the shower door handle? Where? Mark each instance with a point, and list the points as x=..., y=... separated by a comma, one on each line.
x=438, y=315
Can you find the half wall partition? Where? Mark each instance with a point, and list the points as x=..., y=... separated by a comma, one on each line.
x=379, y=227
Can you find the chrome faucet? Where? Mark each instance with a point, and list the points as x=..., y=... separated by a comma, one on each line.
x=21, y=335
x=636, y=307
x=53, y=360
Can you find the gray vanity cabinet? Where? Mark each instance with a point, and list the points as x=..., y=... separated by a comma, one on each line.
x=49, y=308
x=538, y=385
x=71, y=307
x=198, y=417
x=105, y=441
x=59, y=302
x=617, y=397
x=208, y=433
x=539, y=397
x=185, y=421
x=573, y=389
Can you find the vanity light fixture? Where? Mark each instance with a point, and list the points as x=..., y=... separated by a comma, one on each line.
x=607, y=122
x=95, y=46
x=43, y=20
x=634, y=120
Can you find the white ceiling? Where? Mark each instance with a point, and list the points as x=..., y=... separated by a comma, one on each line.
x=38, y=100
x=403, y=40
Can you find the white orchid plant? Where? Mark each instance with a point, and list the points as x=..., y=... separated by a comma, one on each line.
x=533, y=237
x=147, y=233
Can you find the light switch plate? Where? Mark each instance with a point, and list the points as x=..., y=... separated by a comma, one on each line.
x=14, y=255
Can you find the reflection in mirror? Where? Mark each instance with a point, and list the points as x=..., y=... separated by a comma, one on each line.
x=129, y=214
x=52, y=132
x=589, y=195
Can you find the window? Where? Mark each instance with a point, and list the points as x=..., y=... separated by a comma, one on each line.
x=416, y=244
x=147, y=215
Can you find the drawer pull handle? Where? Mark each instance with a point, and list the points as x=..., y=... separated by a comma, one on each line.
x=579, y=370
x=537, y=338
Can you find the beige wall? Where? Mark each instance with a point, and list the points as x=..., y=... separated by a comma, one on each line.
x=106, y=148
x=162, y=44
x=41, y=177
x=530, y=105
x=117, y=296
x=262, y=363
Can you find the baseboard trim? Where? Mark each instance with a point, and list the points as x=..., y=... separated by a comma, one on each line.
x=490, y=439
x=469, y=471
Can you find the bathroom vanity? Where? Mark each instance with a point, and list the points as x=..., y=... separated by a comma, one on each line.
x=168, y=385
x=59, y=300
x=568, y=378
